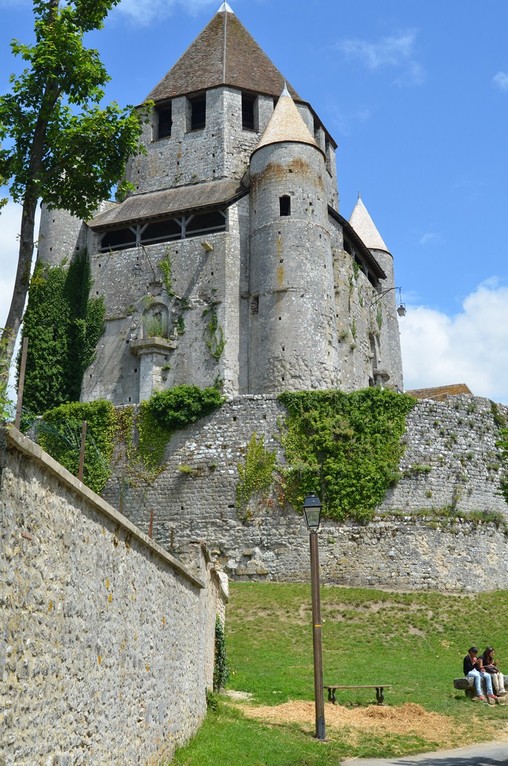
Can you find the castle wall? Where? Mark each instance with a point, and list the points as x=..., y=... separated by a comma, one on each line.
x=451, y=462
x=108, y=641
x=292, y=340
x=220, y=150
x=205, y=284
x=60, y=236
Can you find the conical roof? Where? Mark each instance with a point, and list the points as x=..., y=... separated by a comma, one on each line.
x=286, y=124
x=365, y=227
x=224, y=53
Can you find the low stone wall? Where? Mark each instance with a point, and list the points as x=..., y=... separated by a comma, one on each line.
x=451, y=462
x=107, y=640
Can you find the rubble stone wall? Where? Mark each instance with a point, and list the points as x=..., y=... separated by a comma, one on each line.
x=107, y=641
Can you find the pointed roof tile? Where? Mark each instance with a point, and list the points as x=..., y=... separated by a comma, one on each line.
x=224, y=53
x=286, y=124
x=365, y=227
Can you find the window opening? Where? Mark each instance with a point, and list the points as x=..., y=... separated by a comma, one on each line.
x=248, y=111
x=285, y=204
x=165, y=230
x=119, y=239
x=198, y=223
x=197, y=112
x=254, y=304
x=164, y=121
x=162, y=231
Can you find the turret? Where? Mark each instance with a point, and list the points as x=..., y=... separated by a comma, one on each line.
x=292, y=341
x=387, y=361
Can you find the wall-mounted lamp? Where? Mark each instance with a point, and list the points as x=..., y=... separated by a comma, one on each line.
x=401, y=309
x=207, y=246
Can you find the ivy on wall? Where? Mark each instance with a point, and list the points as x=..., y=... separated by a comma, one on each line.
x=256, y=474
x=345, y=447
x=167, y=411
x=214, y=334
x=503, y=447
x=59, y=434
x=59, y=431
x=220, y=666
x=62, y=326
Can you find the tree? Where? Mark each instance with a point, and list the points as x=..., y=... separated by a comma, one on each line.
x=58, y=144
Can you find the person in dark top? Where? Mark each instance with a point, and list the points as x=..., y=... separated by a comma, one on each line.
x=489, y=666
x=473, y=667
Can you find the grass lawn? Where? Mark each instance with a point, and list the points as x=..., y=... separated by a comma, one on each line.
x=414, y=641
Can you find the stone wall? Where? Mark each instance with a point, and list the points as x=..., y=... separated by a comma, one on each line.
x=451, y=464
x=107, y=645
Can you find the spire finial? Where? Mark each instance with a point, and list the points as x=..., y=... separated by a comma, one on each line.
x=285, y=91
x=225, y=8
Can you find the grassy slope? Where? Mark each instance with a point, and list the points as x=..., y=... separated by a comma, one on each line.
x=414, y=641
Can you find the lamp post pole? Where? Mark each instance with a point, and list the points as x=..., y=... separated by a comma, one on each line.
x=312, y=509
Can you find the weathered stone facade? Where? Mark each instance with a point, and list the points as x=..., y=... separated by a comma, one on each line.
x=107, y=640
x=451, y=461
x=271, y=288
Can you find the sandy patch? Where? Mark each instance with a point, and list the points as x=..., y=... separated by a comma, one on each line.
x=409, y=719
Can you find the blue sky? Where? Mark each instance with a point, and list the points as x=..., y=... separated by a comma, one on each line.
x=416, y=96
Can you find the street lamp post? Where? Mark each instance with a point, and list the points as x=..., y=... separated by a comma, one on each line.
x=312, y=511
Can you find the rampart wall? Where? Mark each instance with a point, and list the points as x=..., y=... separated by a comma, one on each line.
x=107, y=640
x=451, y=465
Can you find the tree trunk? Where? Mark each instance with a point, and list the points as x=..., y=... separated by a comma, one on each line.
x=21, y=284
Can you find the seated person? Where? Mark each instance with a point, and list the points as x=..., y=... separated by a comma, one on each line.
x=473, y=667
x=490, y=667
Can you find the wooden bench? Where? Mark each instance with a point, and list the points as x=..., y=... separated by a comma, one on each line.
x=380, y=697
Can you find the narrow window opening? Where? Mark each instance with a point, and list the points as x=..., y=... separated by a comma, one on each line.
x=254, y=304
x=197, y=112
x=248, y=111
x=164, y=121
x=285, y=204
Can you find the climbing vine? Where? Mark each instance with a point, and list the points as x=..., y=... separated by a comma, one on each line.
x=344, y=447
x=59, y=433
x=214, y=334
x=165, y=267
x=255, y=475
x=503, y=447
x=168, y=411
x=62, y=326
x=220, y=667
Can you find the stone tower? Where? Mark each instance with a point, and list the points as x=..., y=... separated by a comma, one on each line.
x=230, y=261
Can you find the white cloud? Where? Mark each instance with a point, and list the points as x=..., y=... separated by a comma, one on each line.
x=396, y=51
x=429, y=238
x=500, y=80
x=344, y=119
x=470, y=347
x=144, y=12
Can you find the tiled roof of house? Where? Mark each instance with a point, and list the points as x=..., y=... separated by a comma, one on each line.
x=168, y=202
x=223, y=54
x=440, y=393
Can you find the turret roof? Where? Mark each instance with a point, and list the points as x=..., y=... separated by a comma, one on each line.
x=286, y=124
x=365, y=227
x=224, y=53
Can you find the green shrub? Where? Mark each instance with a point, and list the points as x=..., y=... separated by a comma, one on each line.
x=168, y=411
x=59, y=434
